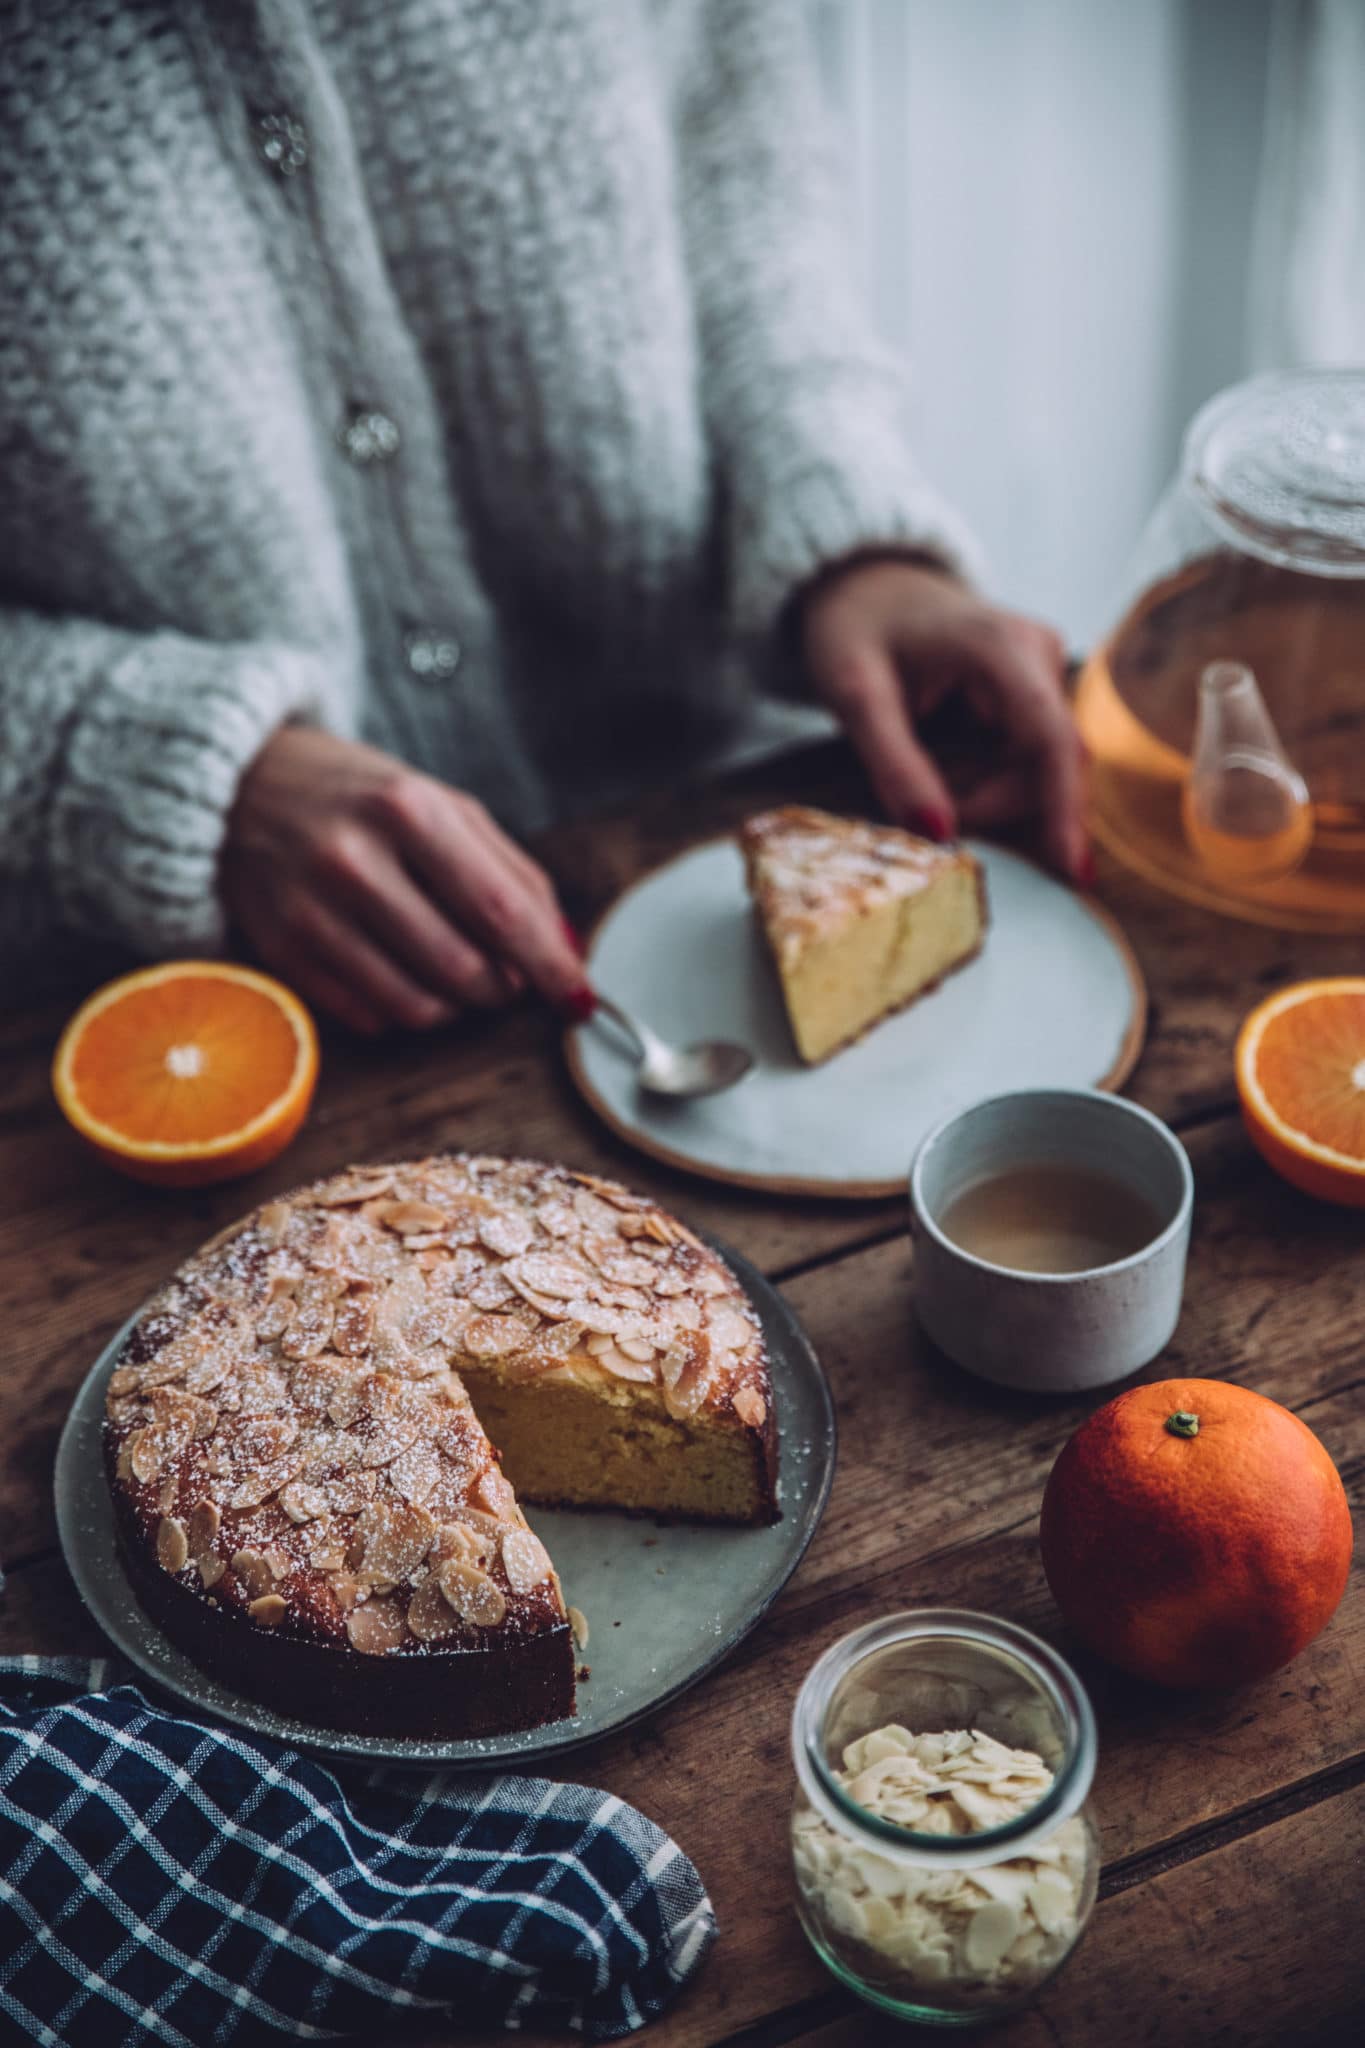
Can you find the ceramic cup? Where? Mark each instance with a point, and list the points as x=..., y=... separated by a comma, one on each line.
x=1051, y=1332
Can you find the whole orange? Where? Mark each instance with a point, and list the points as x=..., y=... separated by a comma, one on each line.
x=1196, y=1533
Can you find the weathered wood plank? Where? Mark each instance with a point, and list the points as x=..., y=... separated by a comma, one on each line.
x=714, y=1770
x=1254, y=1945
x=939, y=1480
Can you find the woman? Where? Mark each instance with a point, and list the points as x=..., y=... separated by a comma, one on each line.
x=417, y=423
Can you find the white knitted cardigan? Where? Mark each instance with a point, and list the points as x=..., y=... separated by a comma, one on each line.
x=471, y=375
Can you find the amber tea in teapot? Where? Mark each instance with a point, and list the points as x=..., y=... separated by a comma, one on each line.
x=1225, y=715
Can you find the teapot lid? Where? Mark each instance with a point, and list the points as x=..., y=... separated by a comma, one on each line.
x=1278, y=466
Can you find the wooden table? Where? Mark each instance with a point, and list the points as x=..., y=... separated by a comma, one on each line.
x=1233, y=1827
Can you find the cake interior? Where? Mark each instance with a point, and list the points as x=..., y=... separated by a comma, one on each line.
x=609, y=1444
x=842, y=979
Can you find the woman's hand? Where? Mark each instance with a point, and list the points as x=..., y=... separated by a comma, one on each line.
x=888, y=642
x=384, y=896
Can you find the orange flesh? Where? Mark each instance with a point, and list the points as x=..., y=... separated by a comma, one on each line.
x=1307, y=1062
x=237, y=1050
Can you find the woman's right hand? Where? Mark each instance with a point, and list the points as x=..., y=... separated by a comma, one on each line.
x=383, y=896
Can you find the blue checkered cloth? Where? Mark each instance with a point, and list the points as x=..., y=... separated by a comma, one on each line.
x=163, y=1880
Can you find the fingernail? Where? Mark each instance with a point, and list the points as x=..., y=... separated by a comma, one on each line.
x=574, y=937
x=579, y=1004
x=931, y=822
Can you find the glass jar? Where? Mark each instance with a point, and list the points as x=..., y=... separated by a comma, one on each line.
x=934, y=1925
x=1253, y=565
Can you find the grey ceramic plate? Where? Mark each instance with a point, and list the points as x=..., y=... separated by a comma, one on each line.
x=664, y=1602
x=1054, y=1000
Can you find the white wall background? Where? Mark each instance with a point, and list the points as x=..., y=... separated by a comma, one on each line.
x=1053, y=201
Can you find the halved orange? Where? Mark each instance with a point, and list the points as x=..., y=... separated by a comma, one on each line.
x=189, y=1073
x=1301, y=1077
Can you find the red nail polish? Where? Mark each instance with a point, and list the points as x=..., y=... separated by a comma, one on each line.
x=1085, y=869
x=574, y=937
x=579, y=1004
x=932, y=823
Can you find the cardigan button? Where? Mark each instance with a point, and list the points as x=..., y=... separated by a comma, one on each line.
x=282, y=141
x=431, y=656
x=367, y=436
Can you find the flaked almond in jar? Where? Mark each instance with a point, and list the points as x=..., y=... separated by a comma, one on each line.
x=943, y=1870
x=999, y=1929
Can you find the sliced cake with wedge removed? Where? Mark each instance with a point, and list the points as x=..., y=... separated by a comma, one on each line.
x=300, y=1433
x=860, y=919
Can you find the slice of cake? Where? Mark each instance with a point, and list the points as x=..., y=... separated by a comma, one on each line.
x=860, y=919
x=298, y=1433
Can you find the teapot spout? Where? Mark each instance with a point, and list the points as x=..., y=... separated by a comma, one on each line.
x=1247, y=814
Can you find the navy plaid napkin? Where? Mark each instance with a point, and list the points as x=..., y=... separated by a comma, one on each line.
x=165, y=1881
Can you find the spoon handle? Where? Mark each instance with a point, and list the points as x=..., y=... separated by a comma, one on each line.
x=636, y=1033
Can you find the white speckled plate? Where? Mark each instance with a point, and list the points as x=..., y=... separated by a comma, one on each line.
x=665, y=1602
x=1055, y=999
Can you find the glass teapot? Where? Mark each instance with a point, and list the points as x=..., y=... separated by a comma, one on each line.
x=1225, y=715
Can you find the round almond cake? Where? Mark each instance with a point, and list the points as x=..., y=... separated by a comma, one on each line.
x=300, y=1433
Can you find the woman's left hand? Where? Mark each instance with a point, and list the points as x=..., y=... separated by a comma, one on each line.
x=887, y=642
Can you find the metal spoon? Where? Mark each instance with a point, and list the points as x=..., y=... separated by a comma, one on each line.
x=674, y=1070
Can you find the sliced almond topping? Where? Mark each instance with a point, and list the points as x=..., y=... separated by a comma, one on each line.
x=126, y=1379
x=578, y=1622
x=182, y=1416
x=346, y=1398
x=549, y=1273
x=506, y=1232
x=751, y=1407
x=310, y=1328
x=207, y=1372
x=395, y=1537
x=414, y=1472
x=493, y=1336
x=556, y=1217
x=471, y=1593
x=328, y=1548
x=430, y=1614
x=492, y=1290
x=346, y=1193
x=124, y=1468
x=524, y=1559
x=205, y=1523
x=211, y=1569
x=409, y=1218
x=353, y=1327
x=273, y=1221
x=594, y=1215
x=279, y=1561
x=377, y=1627
x=172, y=1545
x=637, y=1348
x=613, y=1359
x=346, y=1588
x=257, y=1487
x=167, y=1495
x=253, y=1571
x=301, y=1502
x=683, y=1368
x=461, y=1540
x=615, y=1262
x=729, y=1327
x=275, y=1318
x=593, y=1315
x=494, y=1492
x=349, y=1495
x=269, y=1609
x=145, y=1453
